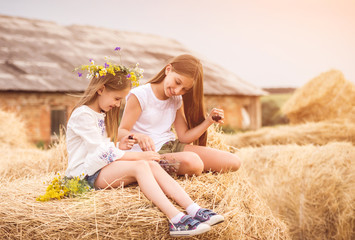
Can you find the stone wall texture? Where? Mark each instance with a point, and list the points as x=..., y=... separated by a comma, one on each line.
x=35, y=109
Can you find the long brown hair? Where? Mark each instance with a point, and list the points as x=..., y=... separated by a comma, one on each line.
x=194, y=109
x=111, y=82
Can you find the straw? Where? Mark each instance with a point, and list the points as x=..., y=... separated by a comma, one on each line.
x=124, y=213
x=311, y=188
x=325, y=97
x=318, y=133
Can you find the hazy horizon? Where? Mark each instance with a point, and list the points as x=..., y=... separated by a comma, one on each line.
x=275, y=43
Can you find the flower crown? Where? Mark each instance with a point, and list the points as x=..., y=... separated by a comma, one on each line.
x=133, y=74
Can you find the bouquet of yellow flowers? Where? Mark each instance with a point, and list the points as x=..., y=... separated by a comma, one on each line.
x=63, y=187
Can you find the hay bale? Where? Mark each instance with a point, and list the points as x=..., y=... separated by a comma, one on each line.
x=125, y=213
x=327, y=96
x=318, y=133
x=310, y=187
x=18, y=157
x=17, y=162
x=13, y=130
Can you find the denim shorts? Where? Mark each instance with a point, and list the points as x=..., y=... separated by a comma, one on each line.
x=91, y=179
x=172, y=147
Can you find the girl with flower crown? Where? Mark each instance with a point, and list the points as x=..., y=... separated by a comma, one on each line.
x=174, y=97
x=93, y=152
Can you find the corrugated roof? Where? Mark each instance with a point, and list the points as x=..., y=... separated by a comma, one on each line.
x=40, y=56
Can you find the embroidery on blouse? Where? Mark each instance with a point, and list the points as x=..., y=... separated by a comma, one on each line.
x=108, y=156
x=101, y=124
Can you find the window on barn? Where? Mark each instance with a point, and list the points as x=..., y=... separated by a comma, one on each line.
x=58, y=120
x=245, y=118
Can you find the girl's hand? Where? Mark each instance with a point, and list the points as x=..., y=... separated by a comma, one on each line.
x=145, y=142
x=216, y=115
x=127, y=142
x=151, y=156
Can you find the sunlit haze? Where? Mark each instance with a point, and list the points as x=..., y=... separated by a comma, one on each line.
x=274, y=43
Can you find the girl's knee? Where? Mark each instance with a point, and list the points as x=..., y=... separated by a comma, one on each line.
x=236, y=163
x=191, y=164
x=141, y=166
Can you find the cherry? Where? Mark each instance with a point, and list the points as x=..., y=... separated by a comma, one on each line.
x=216, y=118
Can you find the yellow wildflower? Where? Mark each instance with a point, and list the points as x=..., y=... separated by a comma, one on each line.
x=64, y=187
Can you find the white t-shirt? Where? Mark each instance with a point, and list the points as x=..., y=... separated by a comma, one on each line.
x=89, y=148
x=157, y=116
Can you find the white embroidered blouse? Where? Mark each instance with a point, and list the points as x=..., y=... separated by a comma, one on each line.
x=89, y=148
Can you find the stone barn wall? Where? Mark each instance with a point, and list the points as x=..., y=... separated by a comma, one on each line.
x=44, y=112
x=233, y=110
x=40, y=111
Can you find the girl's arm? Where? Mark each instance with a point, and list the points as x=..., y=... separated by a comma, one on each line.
x=131, y=113
x=186, y=135
x=130, y=116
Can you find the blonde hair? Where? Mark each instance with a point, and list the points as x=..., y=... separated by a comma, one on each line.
x=111, y=82
x=194, y=109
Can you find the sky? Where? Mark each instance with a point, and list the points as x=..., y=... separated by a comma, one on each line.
x=268, y=43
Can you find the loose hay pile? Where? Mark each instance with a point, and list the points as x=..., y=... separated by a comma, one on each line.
x=318, y=133
x=18, y=157
x=328, y=96
x=17, y=162
x=12, y=130
x=311, y=188
x=126, y=214
x=216, y=138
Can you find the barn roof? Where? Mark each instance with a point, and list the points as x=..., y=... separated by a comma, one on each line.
x=38, y=55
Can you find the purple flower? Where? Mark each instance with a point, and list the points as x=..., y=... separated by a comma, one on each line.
x=106, y=65
x=91, y=59
x=117, y=49
x=128, y=76
x=80, y=74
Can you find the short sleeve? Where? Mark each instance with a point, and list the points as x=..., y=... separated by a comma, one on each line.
x=140, y=94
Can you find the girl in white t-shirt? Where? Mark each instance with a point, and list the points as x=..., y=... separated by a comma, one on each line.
x=92, y=153
x=174, y=97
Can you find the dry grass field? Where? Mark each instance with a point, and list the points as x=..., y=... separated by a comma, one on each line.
x=296, y=182
x=122, y=213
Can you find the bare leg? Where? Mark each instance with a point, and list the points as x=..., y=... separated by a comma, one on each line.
x=190, y=163
x=126, y=172
x=170, y=186
x=215, y=160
